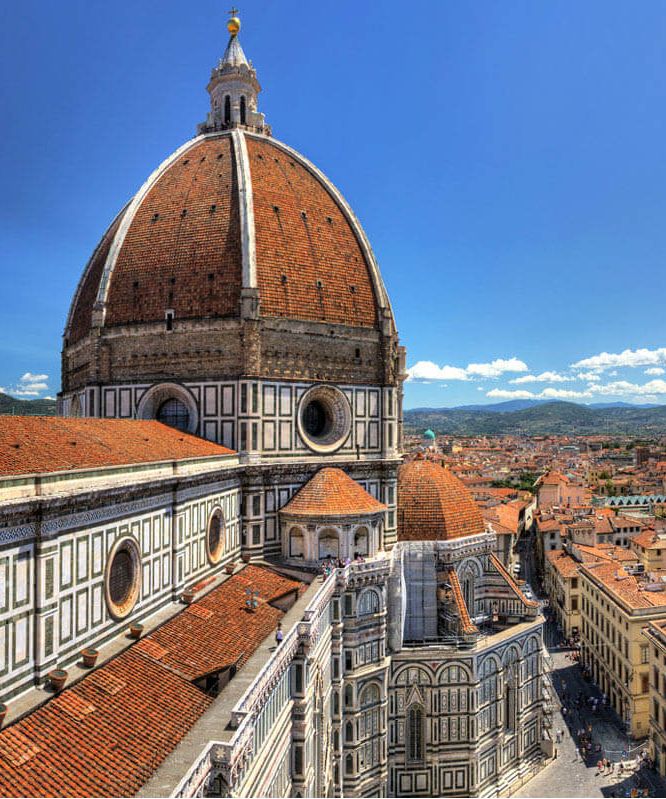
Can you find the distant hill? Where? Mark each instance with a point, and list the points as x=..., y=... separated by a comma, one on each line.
x=542, y=418
x=18, y=407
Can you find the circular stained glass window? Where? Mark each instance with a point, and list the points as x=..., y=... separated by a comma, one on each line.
x=174, y=413
x=215, y=536
x=123, y=578
x=324, y=418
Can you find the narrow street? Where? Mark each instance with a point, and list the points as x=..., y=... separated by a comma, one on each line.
x=569, y=775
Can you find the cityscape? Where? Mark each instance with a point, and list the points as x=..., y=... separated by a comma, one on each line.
x=258, y=543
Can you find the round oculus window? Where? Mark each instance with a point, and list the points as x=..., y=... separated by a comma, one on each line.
x=324, y=418
x=215, y=537
x=123, y=578
x=174, y=413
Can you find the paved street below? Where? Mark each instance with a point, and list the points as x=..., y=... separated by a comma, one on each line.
x=569, y=775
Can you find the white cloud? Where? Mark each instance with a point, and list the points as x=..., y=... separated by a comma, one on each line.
x=563, y=393
x=29, y=385
x=497, y=367
x=631, y=358
x=28, y=377
x=544, y=377
x=547, y=393
x=428, y=370
x=655, y=370
x=503, y=393
x=590, y=377
x=623, y=388
x=30, y=390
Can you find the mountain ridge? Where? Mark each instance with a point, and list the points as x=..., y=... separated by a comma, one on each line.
x=33, y=407
x=545, y=418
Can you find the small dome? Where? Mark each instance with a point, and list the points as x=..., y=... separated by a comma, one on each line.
x=429, y=435
x=434, y=505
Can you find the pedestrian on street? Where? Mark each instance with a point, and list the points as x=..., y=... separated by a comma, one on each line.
x=279, y=635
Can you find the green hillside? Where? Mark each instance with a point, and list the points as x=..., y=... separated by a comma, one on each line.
x=18, y=407
x=550, y=418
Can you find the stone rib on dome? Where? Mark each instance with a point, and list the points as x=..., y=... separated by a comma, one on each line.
x=331, y=492
x=179, y=244
x=434, y=505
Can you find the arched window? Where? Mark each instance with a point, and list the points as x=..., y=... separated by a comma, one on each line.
x=370, y=695
x=329, y=544
x=349, y=732
x=296, y=543
x=349, y=764
x=174, y=413
x=370, y=700
x=415, y=734
x=227, y=110
x=242, y=110
x=361, y=542
x=349, y=696
x=368, y=603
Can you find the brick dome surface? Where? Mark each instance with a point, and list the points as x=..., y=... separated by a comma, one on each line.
x=230, y=211
x=434, y=505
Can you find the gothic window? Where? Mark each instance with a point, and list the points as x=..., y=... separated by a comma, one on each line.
x=370, y=695
x=227, y=110
x=368, y=603
x=174, y=413
x=349, y=732
x=242, y=110
x=349, y=764
x=415, y=724
x=349, y=696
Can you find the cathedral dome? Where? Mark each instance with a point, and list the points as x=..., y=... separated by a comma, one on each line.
x=434, y=505
x=231, y=213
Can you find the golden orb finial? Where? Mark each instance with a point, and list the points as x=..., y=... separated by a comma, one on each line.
x=233, y=25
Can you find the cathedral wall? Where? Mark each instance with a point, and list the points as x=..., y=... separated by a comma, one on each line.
x=465, y=724
x=278, y=349
x=257, y=417
x=55, y=556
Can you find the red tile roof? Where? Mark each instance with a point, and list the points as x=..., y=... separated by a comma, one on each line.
x=309, y=241
x=166, y=262
x=433, y=504
x=513, y=585
x=466, y=623
x=331, y=492
x=107, y=734
x=182, y=248
x=41, y=444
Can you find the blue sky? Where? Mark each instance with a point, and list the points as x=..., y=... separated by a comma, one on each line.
x=506, y=160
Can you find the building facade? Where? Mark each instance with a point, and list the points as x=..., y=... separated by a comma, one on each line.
x=232, y=386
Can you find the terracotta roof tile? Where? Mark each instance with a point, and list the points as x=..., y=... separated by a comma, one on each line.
x=42, y=444
x=466, y=623
x=331, y=492
x=626, y=587
x=165, y=261
x=513, y=585
x=182, y=249
x=309, y=241
x=109, y=732
x=433, y=504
